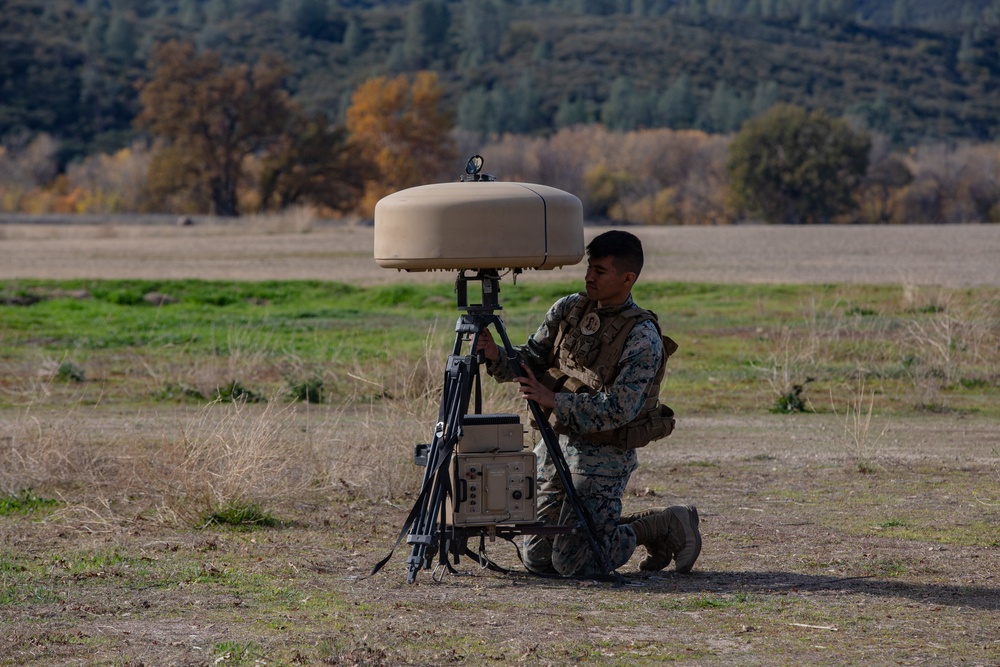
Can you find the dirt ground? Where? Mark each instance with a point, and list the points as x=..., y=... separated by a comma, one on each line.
x=806, y=559
x=946, y=255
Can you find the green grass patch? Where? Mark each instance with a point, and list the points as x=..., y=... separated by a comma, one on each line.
x=237, y=653
x=786, y=348
x=249, y=516
x=707, y=602
x=24, y=581
x=26, y=502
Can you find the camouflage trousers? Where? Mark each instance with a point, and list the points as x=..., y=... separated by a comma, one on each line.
x=601, y=494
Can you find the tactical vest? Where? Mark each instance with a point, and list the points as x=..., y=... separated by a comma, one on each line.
x=585, y=357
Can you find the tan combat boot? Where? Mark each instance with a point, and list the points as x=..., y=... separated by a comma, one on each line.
x=658, y=550
x=677, y=527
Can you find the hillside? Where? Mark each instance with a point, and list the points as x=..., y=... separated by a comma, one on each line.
x=912, y=69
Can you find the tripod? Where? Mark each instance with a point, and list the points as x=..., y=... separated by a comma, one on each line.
x=427, y=528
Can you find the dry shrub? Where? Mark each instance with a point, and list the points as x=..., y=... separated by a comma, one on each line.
x=668, y=176
x=858, y=425
x=995, y=502
x=43, y=453
x=368, y=451
x=41, y=379
x=951, y=184
x=230, y=455
x=224, y=455
x=798, y=355
x=940, y=341
x=787, y=370
x=91, y=474
x=110, y=183
x=948, y=339
x=227, y=454
x=369, y=454
x=371, y=450
x=405, y=380
x=936, y=342
x=364, y=447
x=950, y=344
x=236, y=454
x=243, y=357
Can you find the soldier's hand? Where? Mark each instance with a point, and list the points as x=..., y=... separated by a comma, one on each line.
x=533, y=390
x=487, y=345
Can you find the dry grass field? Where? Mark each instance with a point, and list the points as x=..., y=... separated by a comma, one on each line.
x=810, y=557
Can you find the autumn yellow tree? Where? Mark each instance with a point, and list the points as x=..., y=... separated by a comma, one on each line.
x=402, y=129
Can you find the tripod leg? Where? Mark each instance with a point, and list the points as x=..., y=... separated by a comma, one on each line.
x=425, y=529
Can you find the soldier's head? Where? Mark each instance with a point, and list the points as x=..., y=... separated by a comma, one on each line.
x=624, y=249
x=614, y=260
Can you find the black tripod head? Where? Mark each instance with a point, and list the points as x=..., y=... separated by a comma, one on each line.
x=489, y=280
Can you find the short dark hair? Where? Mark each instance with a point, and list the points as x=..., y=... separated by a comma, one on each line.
x=623, y=248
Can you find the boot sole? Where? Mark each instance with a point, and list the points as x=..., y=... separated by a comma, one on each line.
x=687, y=556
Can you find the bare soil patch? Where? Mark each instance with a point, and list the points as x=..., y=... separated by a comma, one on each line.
x=946, y=255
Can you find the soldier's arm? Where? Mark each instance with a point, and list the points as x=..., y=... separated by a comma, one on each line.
x=538, y=350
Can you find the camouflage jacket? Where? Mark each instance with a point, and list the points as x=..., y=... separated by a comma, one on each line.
x=614, y=405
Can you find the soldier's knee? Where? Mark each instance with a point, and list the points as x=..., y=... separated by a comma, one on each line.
x=572, y=558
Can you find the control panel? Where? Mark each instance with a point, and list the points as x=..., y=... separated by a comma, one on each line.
x=493, y=489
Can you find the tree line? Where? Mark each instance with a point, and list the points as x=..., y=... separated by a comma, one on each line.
x=914, y=70
x=230, y=139
x=787, y=165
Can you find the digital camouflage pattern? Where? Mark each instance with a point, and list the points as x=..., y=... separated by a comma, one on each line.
x=600, y=471
x=601, y=495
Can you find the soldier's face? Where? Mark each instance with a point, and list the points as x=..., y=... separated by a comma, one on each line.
x=605, y=284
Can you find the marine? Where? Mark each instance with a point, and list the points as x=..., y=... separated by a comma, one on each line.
x=595, y=365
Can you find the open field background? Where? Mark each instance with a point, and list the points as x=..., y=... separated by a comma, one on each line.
x=864, y=530
x=302, y=249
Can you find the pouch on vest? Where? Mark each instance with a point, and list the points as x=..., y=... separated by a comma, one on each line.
x=655, y=424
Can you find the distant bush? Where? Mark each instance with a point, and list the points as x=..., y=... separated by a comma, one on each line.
x=643, y=177
x=791, y=165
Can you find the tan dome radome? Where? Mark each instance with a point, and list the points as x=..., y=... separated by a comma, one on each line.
x=478, y=225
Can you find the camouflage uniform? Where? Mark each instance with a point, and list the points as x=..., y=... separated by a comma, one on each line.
x=600, y=471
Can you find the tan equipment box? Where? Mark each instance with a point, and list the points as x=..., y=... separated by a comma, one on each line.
x=492, y=489
x=490, y=434
x=478, y=225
